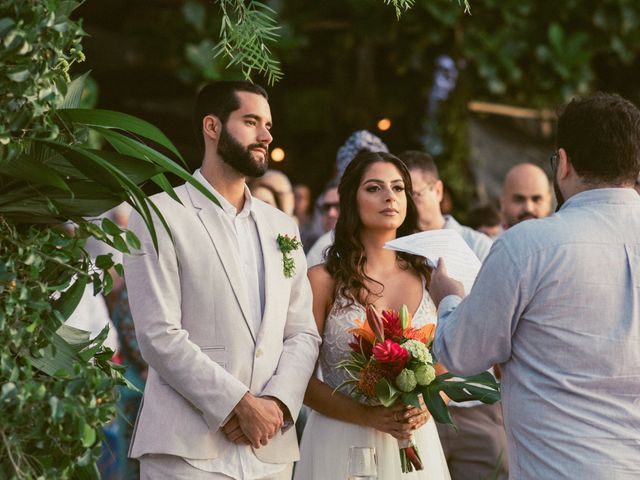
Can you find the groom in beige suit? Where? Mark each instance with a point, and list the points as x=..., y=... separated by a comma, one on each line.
x=229, y=338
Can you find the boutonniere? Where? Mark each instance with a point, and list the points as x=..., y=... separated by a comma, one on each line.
x=288, y=245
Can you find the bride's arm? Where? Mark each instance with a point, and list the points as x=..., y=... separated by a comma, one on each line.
x=397, y=420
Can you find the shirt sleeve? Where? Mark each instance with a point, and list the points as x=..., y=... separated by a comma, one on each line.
x=475, y=333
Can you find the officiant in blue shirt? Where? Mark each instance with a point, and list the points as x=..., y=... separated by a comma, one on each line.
x=557, y=304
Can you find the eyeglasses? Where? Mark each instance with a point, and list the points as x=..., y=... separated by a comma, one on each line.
x=553, y=161
x=420, y=193
x=325, y=207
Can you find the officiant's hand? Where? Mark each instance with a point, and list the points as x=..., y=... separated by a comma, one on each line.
x=260, y=418
x=442, y=285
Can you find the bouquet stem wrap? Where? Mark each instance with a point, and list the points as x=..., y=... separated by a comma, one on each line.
x=409, y=456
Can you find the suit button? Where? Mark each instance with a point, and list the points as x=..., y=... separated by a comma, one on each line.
x=258, y=353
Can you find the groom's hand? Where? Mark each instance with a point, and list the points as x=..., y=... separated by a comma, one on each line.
x=259, y=418
x=234, y=433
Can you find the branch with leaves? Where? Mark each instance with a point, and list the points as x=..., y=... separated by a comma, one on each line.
x=247, y=28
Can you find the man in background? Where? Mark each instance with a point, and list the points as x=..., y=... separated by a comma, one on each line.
x=485, y=219
x=478, y=445
x=329, y=207
x=526, y=194
x=427, y=195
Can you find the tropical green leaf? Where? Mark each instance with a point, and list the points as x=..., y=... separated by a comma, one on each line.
x=132, y=239
x=95, y=344
x=30, y=169
x=74, y=92
x=88, y=436
x=77, y=338
x=58, y=358
x=88, y=162
x=139, y=150
x=110, y=227
x=121, y=121
x=386, y=393
x=163, y=183
x=70, y=298
x=435, y=404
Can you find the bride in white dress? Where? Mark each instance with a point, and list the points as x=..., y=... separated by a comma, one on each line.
x=376, y=206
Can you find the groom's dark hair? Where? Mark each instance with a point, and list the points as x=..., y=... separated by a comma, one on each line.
x=220, y=99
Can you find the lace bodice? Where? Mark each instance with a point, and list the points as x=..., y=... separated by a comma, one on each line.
x=335, y=340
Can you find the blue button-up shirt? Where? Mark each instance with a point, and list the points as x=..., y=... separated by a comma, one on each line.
x=557, y=304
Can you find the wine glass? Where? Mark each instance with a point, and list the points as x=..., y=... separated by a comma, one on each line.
x=362, y=463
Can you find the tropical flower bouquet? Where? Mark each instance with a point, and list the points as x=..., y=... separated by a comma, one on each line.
x=391, y=361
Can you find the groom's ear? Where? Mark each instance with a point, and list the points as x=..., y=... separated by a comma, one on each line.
x=211, y=127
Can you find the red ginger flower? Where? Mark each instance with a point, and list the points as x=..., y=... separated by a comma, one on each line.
x=391, y=323
x=390, y=352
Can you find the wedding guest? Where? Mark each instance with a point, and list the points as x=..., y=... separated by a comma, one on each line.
x=309, y=227
x=302, y=203
x=557, y=304
x=526, y=194
x=280, y=185
x=136, y=373
x=224, y=323
x=360, y=141
x=485, y=219
x=477, y=447
x=376, y=206
x=264, y=193
x=427, y=195
x=329, y=208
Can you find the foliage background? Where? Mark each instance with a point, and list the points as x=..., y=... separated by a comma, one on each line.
x=348, y=63
x=57, y=386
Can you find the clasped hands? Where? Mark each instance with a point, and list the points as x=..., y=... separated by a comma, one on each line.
x=255, y=420
x=399, y=420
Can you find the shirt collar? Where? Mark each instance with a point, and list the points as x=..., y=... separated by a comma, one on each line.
x=227, y=207
x=451, y=223
x=616, y=196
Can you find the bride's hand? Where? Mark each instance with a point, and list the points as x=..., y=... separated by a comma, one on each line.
x=398, y=420
x=420, y=416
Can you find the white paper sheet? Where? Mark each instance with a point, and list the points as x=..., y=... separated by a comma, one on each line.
x=460, y=261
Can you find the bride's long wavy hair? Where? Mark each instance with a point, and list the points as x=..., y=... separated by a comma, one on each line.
x=346, y=259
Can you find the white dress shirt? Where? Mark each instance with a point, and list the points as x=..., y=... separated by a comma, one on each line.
x=239, y=461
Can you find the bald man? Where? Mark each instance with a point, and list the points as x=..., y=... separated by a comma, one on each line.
x=526, y=194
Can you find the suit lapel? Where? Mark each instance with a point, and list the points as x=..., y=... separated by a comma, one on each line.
x=211, y=217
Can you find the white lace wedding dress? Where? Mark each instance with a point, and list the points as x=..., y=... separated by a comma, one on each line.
x=325, y=442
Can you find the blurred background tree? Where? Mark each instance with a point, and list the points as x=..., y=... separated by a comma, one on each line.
x=349, y=63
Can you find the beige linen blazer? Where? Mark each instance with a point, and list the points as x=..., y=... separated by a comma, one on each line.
x=189, y=307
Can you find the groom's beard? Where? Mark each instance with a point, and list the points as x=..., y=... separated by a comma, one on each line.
x=559, y=196
x=240, y=158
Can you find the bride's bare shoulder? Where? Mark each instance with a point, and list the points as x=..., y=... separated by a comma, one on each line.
x=320, y=278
